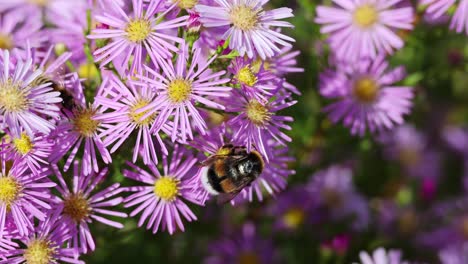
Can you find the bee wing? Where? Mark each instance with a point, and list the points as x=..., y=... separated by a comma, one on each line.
x=227, y=197
x=210, y=160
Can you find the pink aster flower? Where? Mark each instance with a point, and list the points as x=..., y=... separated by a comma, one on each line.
x=257, y=122
x=20, y=28
x=179, y=89
x=33, y=150
x=252, y=30
x=254, y=80
x=23, y=195
x=83, y=204
x=121, y=119
x=366, y=97
x=365, y=28
x=161, y=198
x=23, y=105
x=80, y=127
x=144, y=32
x=438, y=8
x=50, y=7
x=47, y=244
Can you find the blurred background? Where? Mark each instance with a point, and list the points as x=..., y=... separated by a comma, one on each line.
x=405, y=190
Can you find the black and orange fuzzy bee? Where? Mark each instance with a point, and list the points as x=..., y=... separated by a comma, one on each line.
x=68, y=100
x=230, y=170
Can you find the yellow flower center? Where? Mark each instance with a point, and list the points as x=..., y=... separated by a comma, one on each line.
x=12, y=97
x=166, y=188
x=84, y=123
x=257, y=113
x=39, y=251
x=23, y=144
x=365, y=16
x=257, y=63
x=294, y=217
x=76, y=207
x=248, y=258
x=179, y=90
x=138, y=30
x=365, y=90
x=246, y=76
x=243, y=17
x=186, y=4
x=137, y=117
x=6, y=42
x=9, y=190
x=88, y=71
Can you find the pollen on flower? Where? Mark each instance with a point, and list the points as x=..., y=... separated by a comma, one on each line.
x=39, y=251
x=137, y=117
x=186, y=4
x=365, y=16
x=84, y=123
x=257, y=113
x=12, y=97
x=179, y=90
x=138, y=30
x=76, y=207
x=6, y=43
x=244, y=17
x=23, y=144
x=294, y=217
x=365, y=90
x=246, y=76
x=9, y=190
x=166, y=188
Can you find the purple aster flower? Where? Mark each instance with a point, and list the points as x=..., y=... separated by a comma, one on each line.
x=78, y=128
x=20, y=28
x=242, y=247
x=381, y=256
x=454, y=254
x=255, y=83
x=162, y=197
x=121, y=119
x=412, y=149
x=143, y=33
x=252, y=28
x=365, y=28
x=366, y=98
x=23, y=105
x=50, y=7
x=257, y=122
x=23, y=195
x=179, y=89
x=34, y=151
x=82, y=204
x=438, y=9
x=47, y=244
x=335, y=194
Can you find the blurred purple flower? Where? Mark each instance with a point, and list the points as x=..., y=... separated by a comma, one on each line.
x=454, y=254
x=366, y=97
x=82, y=204
x=365, y=28
x=251, y=29
x=242, y=247
x=382, y=256
x=161, y=198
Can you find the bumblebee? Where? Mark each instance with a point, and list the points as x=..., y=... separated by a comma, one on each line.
x=68, y=101
x=230, y=170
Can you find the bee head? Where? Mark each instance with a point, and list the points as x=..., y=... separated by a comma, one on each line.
x=253, y=165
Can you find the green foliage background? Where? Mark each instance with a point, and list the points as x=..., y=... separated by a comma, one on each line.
x=436, y=62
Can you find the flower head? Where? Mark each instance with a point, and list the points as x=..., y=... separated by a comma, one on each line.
x=252, y=29
x=366, y=97
x=381, y=256
x=146, y=31
x=82, y=204
x=438, y=8
x=355, y=27
x=161, y=198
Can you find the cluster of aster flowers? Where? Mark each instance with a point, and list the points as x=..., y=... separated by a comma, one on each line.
x=154, y=87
